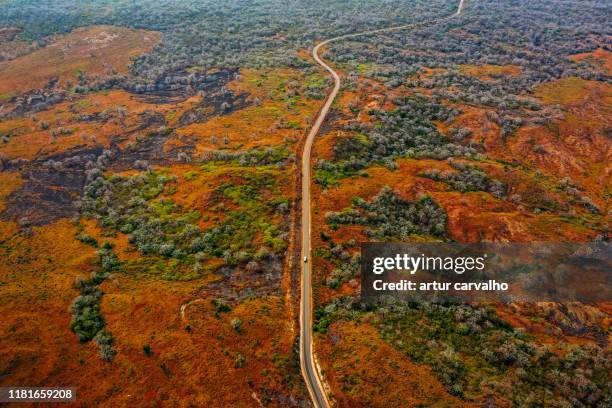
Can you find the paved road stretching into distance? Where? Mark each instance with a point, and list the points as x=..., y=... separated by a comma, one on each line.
x=309, y=369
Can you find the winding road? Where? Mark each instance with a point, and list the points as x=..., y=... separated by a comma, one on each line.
x=307, y=361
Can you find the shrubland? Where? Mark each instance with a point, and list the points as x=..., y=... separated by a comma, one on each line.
x=476, y=355
x=181, y=160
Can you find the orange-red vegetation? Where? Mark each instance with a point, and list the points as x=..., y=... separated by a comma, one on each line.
x=121, y=246
x=364, y=371
x=9, y=182
x=472, y=216
x=84, y=49
x=599, y=57
x=123, y=126
x=198, y=188
x=543, y=320
x=574, y=92
x=197, y=355
x=488, y=72
x=11, y=47
x=575, y=146
x=278, y=115
x=37, y=274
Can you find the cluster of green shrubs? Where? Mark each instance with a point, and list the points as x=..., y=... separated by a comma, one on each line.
x=346, y=263
x=407, y=131
x=87, y=320
x=344, y=271
x=468, y=178
x=257, y=201
x=158, y=226
x=275, y=155
x=475, y=354
x=87, y=239
x=389, y=216
x=315, y=87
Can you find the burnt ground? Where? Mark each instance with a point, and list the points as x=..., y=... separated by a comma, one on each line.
x=50, y=188
x=53, y=184
x=222, y=102
x=177, y=86
x=271, y=397
x=243, y=282
x=34, y=100
x=333, y=117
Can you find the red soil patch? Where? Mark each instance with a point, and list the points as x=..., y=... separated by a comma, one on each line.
x=538, y=319
x=472, y=217
x=576, y=146
x=198, y=366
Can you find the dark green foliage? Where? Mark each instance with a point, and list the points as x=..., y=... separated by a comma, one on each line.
x=87, y=320
x=322, y=321
x=108, y=259
x=350, y=147
x=239, y=361
x=220, y=307
x=147, y=350
x=389, y=216
x=87, y=239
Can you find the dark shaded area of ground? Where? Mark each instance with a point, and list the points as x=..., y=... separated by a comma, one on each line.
x=50, y=189
x=222, y=102
x=177, y=86
x=258, y=279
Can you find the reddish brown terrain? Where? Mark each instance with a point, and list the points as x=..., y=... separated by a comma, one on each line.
x=200, y=328
x=150, y=197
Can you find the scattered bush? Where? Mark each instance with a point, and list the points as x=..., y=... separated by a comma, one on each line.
x=468, y=178
x=87, y=321
x=389, y=216
x=147, y=350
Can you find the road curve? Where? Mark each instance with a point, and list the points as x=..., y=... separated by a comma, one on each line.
x=307, y=363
